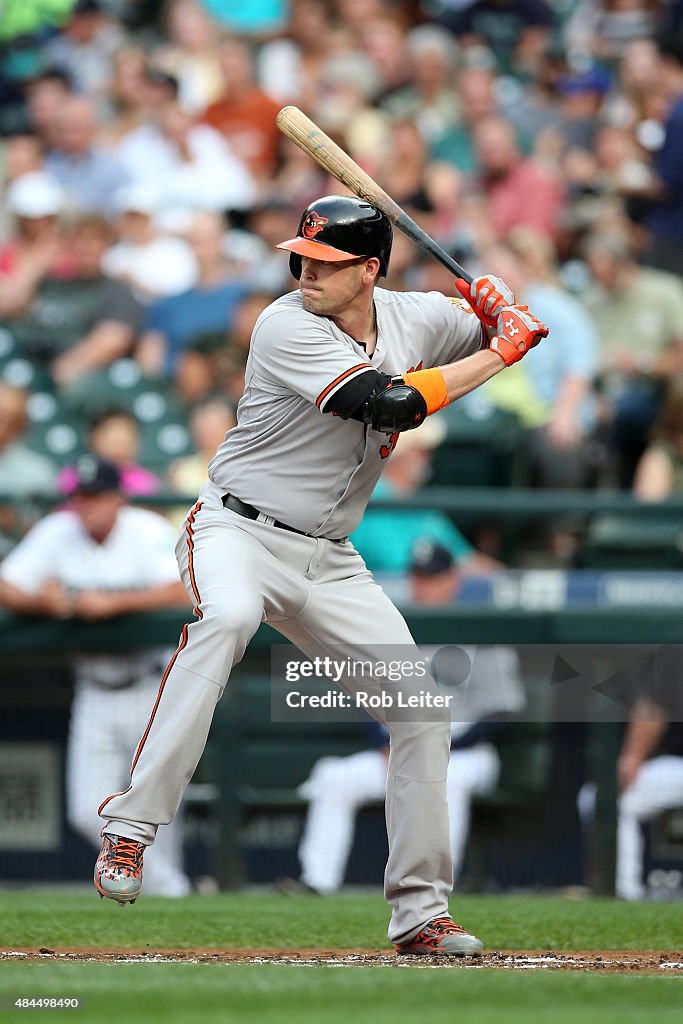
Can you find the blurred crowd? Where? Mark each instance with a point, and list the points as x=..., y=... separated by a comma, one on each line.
x=145, y=184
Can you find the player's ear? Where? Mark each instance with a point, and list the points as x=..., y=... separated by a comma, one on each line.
x=372, y=266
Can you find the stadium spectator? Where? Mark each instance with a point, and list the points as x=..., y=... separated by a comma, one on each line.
x=210, y=421
x=290, y=66
x=339, y=786
x=209, y=306
x=89, y=175
x=650, y=764
x=23, y=472
x=383, y=38
x=666, y=219
x=201, y=168
x=135, y=136
x=659, y=473
x=218, y=359
x=267, y=223
x=45, y=94
x=476, y=89
x=21, y=154
x=349, y=84
x=128, y=95
x=639, y=315
x=579, y=101
x=114, y=435
x=403, y=168
x=36, y=246
x=154, y=264
x=85, y=48
x=187, y=165
x=298, y=179
x=98, y=560
x=430, y=98
x=637, y=95
x=78, y=323
x=518, y=31
x=245, y=115
x=605, y=28
x=552, y=394
x=517, y=191
x=190, y=54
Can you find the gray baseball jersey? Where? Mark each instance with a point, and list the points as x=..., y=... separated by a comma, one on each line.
x=316, y=472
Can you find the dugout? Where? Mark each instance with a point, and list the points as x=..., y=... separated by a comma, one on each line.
x=244, y=819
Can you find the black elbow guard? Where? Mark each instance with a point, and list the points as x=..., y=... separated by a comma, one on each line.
x=394, y=406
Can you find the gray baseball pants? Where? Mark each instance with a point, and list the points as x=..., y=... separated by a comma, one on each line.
x=319, y=595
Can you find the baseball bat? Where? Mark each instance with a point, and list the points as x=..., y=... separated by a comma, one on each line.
x=293, y=123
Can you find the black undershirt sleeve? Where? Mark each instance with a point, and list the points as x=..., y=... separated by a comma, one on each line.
x=349, y=400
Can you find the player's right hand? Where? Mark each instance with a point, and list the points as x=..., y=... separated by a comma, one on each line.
x=517, y=330
x=486, y=295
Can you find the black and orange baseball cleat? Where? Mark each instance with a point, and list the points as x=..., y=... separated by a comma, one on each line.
x=118, y=870
x=443, y=937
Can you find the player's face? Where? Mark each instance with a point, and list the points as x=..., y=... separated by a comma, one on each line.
x=97, y=513
x=329, y=289
x=438, y=589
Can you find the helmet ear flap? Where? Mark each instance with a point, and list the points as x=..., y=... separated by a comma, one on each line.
x=295, y=265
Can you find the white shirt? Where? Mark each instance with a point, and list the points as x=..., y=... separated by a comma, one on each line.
x=164, y=266
x=214, y=178
x=138, y=553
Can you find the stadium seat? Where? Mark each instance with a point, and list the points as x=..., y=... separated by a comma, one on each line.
x=163, y=441
x=8, y=345
x=632, y=542
x=480, y=447
x=51, y=430
x=118, y=384
x=20, y=372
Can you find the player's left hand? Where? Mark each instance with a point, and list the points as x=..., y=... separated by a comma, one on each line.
x=518, y=330
x=486, y=295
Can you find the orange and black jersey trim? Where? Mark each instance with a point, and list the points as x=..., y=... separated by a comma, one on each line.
x=349, y=400
x=327, y=399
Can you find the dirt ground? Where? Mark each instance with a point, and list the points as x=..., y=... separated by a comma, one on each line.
x=614, y=961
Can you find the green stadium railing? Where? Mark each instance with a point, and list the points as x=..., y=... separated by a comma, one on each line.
x=452, y=624
x=509, y=502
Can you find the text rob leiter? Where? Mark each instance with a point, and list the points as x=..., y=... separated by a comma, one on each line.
x=368, y=701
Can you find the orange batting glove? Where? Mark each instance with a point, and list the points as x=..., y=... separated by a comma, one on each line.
x=487, y=296
x=518, y=330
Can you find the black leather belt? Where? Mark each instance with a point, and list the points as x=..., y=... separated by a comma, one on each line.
x=249, y=512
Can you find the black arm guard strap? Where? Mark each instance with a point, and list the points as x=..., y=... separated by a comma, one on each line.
x=394, y=406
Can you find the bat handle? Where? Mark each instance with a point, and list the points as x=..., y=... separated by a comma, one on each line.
x=453, y=266
x=421, y=238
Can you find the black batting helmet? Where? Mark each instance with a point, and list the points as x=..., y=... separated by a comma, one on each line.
x=337, y=228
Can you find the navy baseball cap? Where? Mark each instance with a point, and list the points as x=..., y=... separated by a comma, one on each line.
x=428, y=558
x=96, y=476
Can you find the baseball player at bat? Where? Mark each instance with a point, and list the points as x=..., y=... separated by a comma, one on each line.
x=337, y=369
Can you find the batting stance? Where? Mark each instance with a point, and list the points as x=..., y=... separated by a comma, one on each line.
x=337, y=369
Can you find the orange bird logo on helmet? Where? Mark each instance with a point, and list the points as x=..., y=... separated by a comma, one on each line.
x=313, y=224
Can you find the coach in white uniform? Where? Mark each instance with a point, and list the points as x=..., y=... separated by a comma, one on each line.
x=99, y=559
x=267, y=539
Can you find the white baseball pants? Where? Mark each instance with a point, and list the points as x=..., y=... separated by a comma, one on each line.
x=339, y=786
x=658, y=787
x=320, y=595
